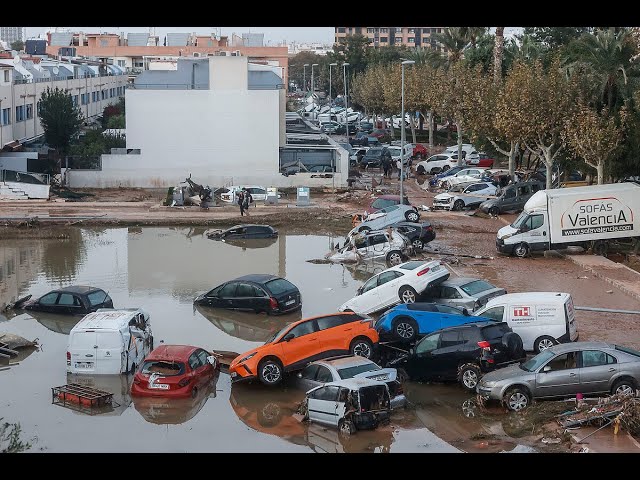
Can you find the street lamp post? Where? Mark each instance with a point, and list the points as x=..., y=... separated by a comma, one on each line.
x=333, y=167
x=313, y=85
x=402, y=132
x=304, y=81
x=346, y=112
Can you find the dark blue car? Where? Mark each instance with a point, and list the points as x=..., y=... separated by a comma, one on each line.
x=453, y=170
x=407, y=321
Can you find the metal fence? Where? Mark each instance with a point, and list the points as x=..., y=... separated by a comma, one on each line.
x=24, y=177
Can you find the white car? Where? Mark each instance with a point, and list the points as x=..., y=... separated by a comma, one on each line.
x=464, y=195
x=393, y=247
x=258, y=193
x=469, y=152
x=399, y=284
x=437, y=163
x=466, y=175
x=387, y=216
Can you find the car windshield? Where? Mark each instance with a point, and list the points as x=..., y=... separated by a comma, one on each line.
x=457, y=188
x=412, y=265
x=520, y=220
x=382, y=203
x=473, y=288
x=163, y=367
x=628, y=350
x=277, y=334
x=351, y=372
x=535, y=362
x=279, y=285
x=374, y=152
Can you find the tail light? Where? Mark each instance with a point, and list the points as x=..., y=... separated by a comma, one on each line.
x=273, y=303
x=423, y=271
x=484, y=345
x=184, y=382
x=68, y=359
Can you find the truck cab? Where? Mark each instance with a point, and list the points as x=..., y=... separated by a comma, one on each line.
x=530, y=231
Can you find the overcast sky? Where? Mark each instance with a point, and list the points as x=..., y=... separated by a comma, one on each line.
x=274, y=35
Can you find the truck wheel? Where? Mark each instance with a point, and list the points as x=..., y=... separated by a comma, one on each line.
x=600, y=248
x=521, y=250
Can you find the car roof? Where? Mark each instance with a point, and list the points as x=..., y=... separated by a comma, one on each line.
x=355, y=383
x=245, y=225
x=256, y=277
x=292, y=324
x=344, y=361
x=82, y=289
x=108, y=318
x=389, y=197
x=457, y=281
x=478, y=324
x=548, y=297
x=171, y=352
x=569, y=347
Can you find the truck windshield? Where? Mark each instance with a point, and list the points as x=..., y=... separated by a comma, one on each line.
x=522, y=218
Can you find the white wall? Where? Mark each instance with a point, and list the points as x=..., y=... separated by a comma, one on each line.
x=13, y=163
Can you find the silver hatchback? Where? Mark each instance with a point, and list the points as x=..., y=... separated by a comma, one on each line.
x=564, y=371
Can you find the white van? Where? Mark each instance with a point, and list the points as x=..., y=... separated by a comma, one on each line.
x=542, y=319
x=109, y=341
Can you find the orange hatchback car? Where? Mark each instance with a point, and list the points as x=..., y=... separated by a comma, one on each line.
x=304, y=341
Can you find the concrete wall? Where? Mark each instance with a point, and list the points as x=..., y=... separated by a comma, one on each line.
x=31, y=190
x=19, y=164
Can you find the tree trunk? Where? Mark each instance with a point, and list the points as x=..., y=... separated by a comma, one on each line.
x=600, y=169
x=459, y=129
x=549, y=166
x=430, y=116
x=498, y=50
x=515, y=146
x=393, y=131
x=413, y=128
x=421, y=122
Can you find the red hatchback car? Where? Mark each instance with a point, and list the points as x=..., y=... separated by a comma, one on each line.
x=174, y=371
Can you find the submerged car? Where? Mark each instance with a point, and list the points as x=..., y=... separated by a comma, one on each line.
x=463, y=292
x=258, y=293
x=174, y=371
x=72, y=300
x=242, y=232
x=301, y=342
x=341, y=368
x=400, y=283
x=350, y=405
x=563, y=371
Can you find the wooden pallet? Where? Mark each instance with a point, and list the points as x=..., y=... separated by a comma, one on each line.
x=82, y=398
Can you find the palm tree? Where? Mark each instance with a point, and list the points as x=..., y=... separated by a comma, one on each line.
x=454, y=42
x=472, y=33
x=498, y=52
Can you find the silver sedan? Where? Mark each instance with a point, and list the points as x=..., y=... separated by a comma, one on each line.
x=564, y=371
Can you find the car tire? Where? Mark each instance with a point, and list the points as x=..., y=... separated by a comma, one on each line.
x=412, y=216
x=445, y=185
x=346, y=428
x=394, y=257
x=624, y=386
x=445, y=168
x=468, y=376
x=420, y=170
x=544, y=342
x=364, y=229
x=270, y=372
x=361, y=347
x=407, y=294
x=435, y=171
x=417, y=244
x=517, y=398
x=458, y=205
x=521, y=250
x=495, y=211
x=600, y=248
x=512, y=343
x=269, y=415
x=405, y=329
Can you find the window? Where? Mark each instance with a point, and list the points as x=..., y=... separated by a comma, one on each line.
x=329, y=393
x=49, y=299
x=523, y=190
x=387, y=277
x=536, y=221
x=428, y=344
x=384, y=30
x=228, y=290
x=369, y=30
x=450, y=292
x=6, y=116
x=20, y=113
x=450, y=338
x=98, y=297
x=449, y=310
x=412, y=30
x=371, y=283
x=475, y=287
x=245, y=290
x=303, y=329
x=594, y=358
x=495, y=313
x=411, y=40
x=29, y=111
x=398, y=29
x=330, y=322
x=67, y=299
x=6, y=76
x=377, y=239
x=194, y=361
x=350, y=372
x=280, y=285
x=535, y=187
x=324, y=375
x=510, y=193
x=563, y=362
x=425, y=39
x=341, y=30
x=384, y=39
x=121, y=63
x=309, y=373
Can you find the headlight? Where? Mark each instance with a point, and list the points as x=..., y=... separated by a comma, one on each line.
x=487, y=384
x=505, y=236
x=244, y=359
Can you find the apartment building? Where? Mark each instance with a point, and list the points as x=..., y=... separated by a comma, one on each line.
x=12, y=34
x=385, y=36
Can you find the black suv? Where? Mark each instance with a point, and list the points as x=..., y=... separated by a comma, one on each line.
x=462, y=353
x=375, y=156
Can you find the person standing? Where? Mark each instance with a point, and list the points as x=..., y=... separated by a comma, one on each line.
x=247, y=199
x=399, y=166
x=240, y=200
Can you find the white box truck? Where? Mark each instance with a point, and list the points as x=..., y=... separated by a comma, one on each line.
x=583, y=216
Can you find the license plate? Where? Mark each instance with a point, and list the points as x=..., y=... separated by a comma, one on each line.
x=159, y=386
x=84, y=364
x=290, y=302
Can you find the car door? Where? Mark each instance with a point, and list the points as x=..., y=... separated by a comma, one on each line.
x=301, y=344
x=451, y=296
x=523, y=193
x=227, y=295
x=536, y=232
x=596, y=369
x=389, y=283
x=47, y=303
x=323, y=405
x=377, y=246
x=508, y=199
x=69, y=304
x=367, y=299
x=336, y=334
x=559, y=376
x=421, y=363
x=245, y=297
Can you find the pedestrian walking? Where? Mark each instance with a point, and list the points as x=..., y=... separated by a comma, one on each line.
x=399, y=167
x=247, y=199
x=240, y=200
x=386, y=167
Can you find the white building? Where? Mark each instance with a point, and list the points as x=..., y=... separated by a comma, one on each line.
x=219, y=119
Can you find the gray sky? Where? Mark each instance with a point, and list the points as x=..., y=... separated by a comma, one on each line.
x=274, y=35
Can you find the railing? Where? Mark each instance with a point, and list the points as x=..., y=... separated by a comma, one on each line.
x=169, y=86
x=24, y=177
x=58, y=78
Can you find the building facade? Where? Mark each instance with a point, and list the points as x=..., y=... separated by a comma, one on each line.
x=12, y=34
x=386, y=36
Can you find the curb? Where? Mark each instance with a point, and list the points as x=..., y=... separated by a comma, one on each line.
x=609, y=280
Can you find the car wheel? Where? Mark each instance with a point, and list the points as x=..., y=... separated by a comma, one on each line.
x=412, y=216
x=405, y=329
x=269, y=415
x=361, y=347
x=624, y=386
x=420, y=170
x=517, y=398
x=407, y=294
x=435, y=171
x=346, y=428
x=458, y=205
x=270, y=372
x=543, y=343
x=417, y=244
x=495, y=211
x=394, y=257
x=469, y=375
x=521, y=250
x=364, y=229
x=445, y=185
x=600, y=248
x=445, y=168
x=194, y=392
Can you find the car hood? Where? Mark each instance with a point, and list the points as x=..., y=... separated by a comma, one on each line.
x=443, y=196
x=490, y=203
x=384, y=375
x=506, y=232
x=505, y=373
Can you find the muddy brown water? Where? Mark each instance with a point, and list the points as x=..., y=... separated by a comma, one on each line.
x=162, y=270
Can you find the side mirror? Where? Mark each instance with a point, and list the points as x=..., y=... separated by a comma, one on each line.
x=546, y=369
x=212, y=360
x=465, y=312
x=289, y=336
